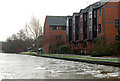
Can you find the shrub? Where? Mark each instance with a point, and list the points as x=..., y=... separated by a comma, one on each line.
x=102, y=49
x=119, y=31
x=64, y=49
x=103, y=52
x=117, y=46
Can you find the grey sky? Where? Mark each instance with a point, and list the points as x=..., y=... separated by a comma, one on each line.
x=15, y=13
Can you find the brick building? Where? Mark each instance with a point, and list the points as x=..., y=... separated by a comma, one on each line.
x=54, y=33
x=108, y=20
x=99, y=19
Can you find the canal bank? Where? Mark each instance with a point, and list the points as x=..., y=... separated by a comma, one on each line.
x=101, y=62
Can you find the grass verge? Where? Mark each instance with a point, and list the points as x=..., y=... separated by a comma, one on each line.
x=79, y=57
x=71, y=56
x=28, y=53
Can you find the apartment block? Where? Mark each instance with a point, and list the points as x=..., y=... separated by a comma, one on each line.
x=100, y=19
x=81, y=30
x=54, y=33
x=108, y=20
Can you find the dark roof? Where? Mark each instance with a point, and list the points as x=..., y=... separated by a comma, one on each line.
x=81, y=11
x=96, y=5
x=56, y=20
x=76, y=14
x=100, y=3
x=84, y=10
x=70, y=17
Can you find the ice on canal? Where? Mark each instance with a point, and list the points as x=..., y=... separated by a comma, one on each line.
x=13, y=66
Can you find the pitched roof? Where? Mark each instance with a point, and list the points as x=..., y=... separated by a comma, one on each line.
x=69, y=17
x=100, y=3
x=76, y=14
x=96, y=5
x=56, y=20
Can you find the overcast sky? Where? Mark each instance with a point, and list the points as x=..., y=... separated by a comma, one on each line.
x=15, y=13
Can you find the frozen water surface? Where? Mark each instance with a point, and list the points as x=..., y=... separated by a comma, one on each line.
x=13, y=66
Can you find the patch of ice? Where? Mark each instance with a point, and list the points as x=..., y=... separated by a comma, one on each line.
x=41, y=68
x=52, y=71
x=113, y=74
x=82, y=73
x=100, y=76
x=62, y=71
x=93, y=72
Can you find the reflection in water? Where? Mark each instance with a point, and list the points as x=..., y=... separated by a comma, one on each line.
x=14, y=66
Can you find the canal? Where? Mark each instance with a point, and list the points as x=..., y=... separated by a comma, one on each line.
x=16, y=66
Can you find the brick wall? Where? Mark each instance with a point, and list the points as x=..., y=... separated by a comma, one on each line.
x=109, y=12
x=50, y=36
x=46, y=37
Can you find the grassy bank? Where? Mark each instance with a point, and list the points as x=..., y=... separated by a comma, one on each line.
x=72, y=56
x=79, y=57
x=28, y=53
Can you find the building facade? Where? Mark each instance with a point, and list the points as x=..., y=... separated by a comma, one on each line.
x=81, y=30
x=100, y=19
x=54, y=33
x=108, y=20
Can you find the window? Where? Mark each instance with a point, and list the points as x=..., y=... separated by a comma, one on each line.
x=71, y=44
x=116, y=22
x=95, y=28
x=78, y=44
x=94, y=14
x=54, y=28
x=100, y=11
x=90, y=28
x=81, y=31
x=81, y=17
x=87, y=43
x=63, y=28
x=85, y=17
x=117, y=38
x=70, y=22
x=99, y=28
x=67, y=24
x=90, y=14
x=73, y=18
x=58, y=37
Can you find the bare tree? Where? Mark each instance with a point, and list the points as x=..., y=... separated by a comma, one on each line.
x=17, y=43
x=21, y=35
x=33, y=30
